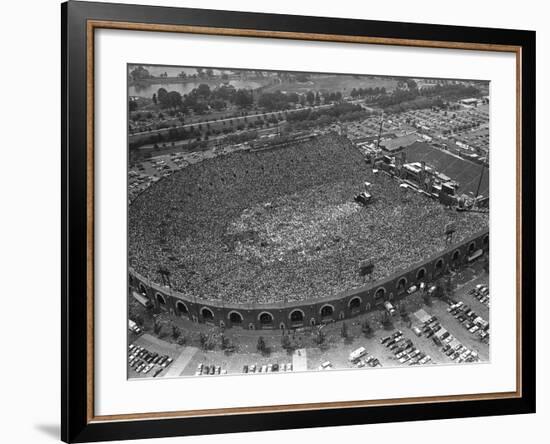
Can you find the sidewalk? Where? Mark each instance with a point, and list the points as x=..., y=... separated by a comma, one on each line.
x=178, y=366
x=299, y=360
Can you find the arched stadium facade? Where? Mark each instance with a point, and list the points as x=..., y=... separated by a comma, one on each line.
x=316, y=311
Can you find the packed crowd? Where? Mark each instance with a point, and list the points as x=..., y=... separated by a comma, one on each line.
x=281, y=225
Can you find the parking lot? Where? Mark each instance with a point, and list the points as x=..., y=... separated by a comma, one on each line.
x=449, y=320
x=148, y=351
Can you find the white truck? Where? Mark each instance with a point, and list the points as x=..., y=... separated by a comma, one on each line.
x=357, y=354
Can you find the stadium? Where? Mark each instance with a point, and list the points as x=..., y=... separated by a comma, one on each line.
x=272, y=237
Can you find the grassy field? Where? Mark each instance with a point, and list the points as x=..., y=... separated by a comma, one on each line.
x=466, y=173
x=333, y=83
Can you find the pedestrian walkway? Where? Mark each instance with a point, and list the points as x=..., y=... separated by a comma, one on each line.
x=299, y=360
x=179, y=364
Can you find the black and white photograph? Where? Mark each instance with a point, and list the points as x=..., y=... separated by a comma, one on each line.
x=295, y=221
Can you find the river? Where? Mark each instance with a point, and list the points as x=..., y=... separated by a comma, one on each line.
x=147, y=90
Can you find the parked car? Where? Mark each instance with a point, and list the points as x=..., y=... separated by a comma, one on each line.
x=390, y=308
x=357, y=354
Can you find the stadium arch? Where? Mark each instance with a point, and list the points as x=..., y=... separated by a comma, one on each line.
x=235, y=317
x=296, y=316
x=456, y=257
x=379, y=295
x=401, y=285
x=265, y=318
x=160, y=299
x=438, y=269
x=326, y=311
x=421, y=273
x=182, y=308
x=142, y=289
x=355, y=303
x=207, y=314
x=471, y=247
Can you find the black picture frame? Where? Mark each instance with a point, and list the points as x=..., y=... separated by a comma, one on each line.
x=76, y=423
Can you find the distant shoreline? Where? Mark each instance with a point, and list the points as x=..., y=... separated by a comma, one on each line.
x=171, y=80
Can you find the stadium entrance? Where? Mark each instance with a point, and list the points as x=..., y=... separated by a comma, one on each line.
x=355, y=305
x=326, y=312
x=235, y=318
x=266, y=320
x=297, y=318
x=207, y=315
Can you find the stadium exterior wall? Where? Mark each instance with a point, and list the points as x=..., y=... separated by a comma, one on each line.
x=315, y=311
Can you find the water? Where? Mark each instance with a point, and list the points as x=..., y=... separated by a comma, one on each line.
x=187, y=87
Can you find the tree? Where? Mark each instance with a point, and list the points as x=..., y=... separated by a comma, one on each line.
x=243, y=98
x=203, y=90
x=386, y=320
x=139, y=73
x=344, y=330
x=366, y=328
x=310, y=97
x=285, y=342
x=320, y=337
x=155, y=98
x=176, y=332
x=403, y=311
x=203, y=341
x=224, y=342
x=138, y=319
x=162, y=97
x=449, y=287
x=157, y=327
x=426, y=297
x=261, y=346
x=173, y=100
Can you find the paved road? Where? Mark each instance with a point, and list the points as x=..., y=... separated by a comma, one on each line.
x=178, y=366
x=299, y=360
x=196, y=124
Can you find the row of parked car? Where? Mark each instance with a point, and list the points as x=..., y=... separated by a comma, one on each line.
x=481, y=293
x=213, y=369
x=143, y=361
x=360, y=358
x=470, y=320
x=449, y=345
x=267, y=368
x=404, y=349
